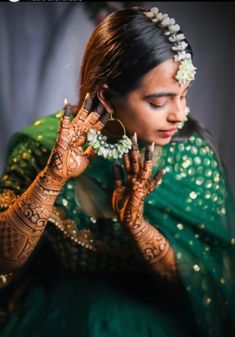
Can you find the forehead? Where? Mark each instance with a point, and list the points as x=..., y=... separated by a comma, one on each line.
x=161, y=77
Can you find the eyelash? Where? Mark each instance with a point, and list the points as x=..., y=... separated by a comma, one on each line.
x=157, y=107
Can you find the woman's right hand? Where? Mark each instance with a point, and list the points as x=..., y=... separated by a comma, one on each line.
x=68, y=158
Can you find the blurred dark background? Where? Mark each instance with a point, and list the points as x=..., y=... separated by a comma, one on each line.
x=42, y=44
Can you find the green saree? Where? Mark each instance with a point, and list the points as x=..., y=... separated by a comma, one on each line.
x=87, y=280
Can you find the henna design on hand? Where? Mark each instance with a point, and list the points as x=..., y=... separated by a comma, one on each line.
x=23, y=223
x=128, y=204
x=68, y=158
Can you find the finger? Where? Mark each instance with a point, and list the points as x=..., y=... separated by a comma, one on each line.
x=118, y=176
x=87, y=103
x=62, y=137
x=65, y=119
x=157, y=179
x=135, y=160
x=148, y=163
x=99, y=125
x=67, y=108
x=95, y=120
x=127, y=163
x=80, y=131
x=89, y=152
x=84, y=111
x=94, y=116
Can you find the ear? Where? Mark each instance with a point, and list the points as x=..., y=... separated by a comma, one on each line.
x=102, y=96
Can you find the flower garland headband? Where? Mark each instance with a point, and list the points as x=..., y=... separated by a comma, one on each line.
x=186, y=71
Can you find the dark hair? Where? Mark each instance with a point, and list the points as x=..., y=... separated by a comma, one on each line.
x=122, y=49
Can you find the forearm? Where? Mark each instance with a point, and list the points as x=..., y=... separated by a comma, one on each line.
x=154, y=249
x=128, y=202
x=22, y=224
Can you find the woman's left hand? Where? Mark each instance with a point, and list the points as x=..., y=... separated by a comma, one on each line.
x=129, y=194
x=128, y=203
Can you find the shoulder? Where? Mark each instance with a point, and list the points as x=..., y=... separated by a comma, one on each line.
x=194, y=188
x=28, y=152
x=194, y=173
x=194, y=151
x=193, y=160
x=42, y=131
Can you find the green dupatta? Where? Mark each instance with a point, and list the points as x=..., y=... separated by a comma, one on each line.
x=193, y=207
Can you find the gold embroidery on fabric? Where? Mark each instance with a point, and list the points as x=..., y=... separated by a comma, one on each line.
x=82, y=237
x=7, y=198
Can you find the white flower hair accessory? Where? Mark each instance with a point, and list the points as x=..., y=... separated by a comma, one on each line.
x=186, y=111
x=186, y=70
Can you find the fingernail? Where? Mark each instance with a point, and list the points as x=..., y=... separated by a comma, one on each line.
x=135, y=137
x=87, y=103
x=67, y=107
x=134, y=141
x=148, y=153
x=65, y=102
x=100, y=109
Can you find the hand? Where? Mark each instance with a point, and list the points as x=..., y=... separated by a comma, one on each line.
x=68, y=158
x=128, y=197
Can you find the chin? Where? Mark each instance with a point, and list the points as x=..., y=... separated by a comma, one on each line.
x=163, y=141
x=156, y=140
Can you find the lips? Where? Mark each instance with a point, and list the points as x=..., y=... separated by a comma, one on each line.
x=169, y=130
x=167, y=133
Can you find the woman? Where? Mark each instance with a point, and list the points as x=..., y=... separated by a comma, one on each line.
x=147, y=255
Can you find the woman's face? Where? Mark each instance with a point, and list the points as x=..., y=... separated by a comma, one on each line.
x=156, y=108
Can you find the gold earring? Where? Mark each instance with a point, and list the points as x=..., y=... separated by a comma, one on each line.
x=112, y=142
x=114, y=129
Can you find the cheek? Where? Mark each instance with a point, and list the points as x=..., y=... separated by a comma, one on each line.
x=128, y=114
x=145, y=125
x=138, y=119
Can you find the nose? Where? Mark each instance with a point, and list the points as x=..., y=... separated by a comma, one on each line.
x=177, y=112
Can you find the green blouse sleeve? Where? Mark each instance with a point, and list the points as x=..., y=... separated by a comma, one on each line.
x=22, y=166
x=27, y=153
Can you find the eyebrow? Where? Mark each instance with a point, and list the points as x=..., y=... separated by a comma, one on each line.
x=164, y=94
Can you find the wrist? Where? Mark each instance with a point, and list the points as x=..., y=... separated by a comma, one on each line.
x=137, y=227
x=49, y=180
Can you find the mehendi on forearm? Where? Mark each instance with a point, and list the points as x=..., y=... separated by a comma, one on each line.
x=154, y=249
x=22, y=224
x=128, y=203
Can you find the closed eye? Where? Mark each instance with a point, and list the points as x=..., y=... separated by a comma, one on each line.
x=156, y=106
